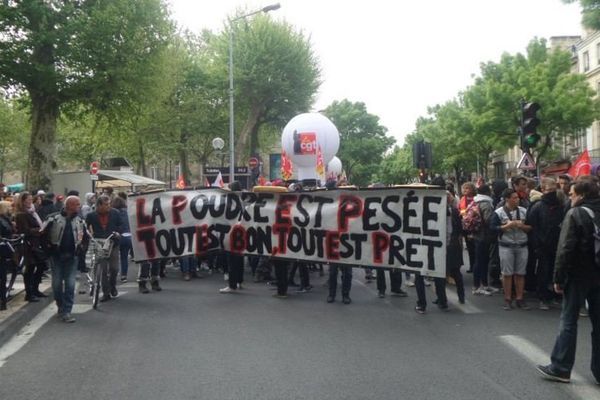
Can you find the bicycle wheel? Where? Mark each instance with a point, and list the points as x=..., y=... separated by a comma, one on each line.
x=96, y=285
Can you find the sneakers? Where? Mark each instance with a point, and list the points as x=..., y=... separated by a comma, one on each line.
x=123, y=279
x=280, y=296
x=143, y=288
x=346, y=300
x=302, y=289
x=522, y=305
x=68, y=318
x=330, y=299
x=105, y=298
x=481, y=292
x=491, y=289
x=114, y=292
x=410, y=284
x=400, y=293
x=381, y=295
x=227, y=289
x=155, y=286
x=420, y=310
x=507, y=305
x=187, y=276
x=548, y=373
x=544, y=306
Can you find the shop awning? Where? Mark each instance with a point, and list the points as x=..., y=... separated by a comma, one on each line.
x=115, y=178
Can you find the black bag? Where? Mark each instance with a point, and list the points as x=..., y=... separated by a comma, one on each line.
x=39, y=254
x=7, y=251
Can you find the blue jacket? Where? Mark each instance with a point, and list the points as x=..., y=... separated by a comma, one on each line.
x=115, y=224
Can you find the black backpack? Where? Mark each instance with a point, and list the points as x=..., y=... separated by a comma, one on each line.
x=596, y=237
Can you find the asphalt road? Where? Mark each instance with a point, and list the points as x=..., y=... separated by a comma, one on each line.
x=190, y=342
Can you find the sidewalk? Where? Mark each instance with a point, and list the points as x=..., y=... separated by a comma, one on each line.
x=19, y=312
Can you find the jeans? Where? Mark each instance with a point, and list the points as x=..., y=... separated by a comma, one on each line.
x=440, y=291
x=563, y=354
x=236, y=269
x=395, y=280
x=188, y=264
x=124, y=249
x=482, y=260
x=346, y=279
x=149, y=269
x=64, y=271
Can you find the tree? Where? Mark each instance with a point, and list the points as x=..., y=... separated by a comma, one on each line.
x=65, y=54
x=590, y=13
x=13, y=140
x=363, y=141
x=276, y=75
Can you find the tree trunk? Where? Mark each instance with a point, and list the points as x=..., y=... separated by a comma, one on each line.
x=142, y=167
x=249, y=129
x=44, y=115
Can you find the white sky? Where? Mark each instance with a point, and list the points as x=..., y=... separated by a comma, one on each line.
x=400, y=56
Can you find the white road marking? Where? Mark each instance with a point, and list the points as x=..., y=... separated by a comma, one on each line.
x=579, y=386
x=24, y=335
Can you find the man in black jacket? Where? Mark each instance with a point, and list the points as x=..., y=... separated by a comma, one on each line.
x=577, y=277
x=103, y=222
x=545, y=217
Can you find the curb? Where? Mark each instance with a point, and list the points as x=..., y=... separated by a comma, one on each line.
x=22, y=314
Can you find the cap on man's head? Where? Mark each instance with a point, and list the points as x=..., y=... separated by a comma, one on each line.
x=49, y=196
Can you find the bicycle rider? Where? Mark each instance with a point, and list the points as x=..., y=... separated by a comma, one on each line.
x=103, y=222
x=68, y=238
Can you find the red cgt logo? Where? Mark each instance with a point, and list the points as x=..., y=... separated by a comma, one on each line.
x=305, y=143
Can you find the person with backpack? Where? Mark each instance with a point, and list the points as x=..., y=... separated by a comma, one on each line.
x=509, y=223
x=484, y=238
x=577, y=278
x=545, y=218
x=468, y=192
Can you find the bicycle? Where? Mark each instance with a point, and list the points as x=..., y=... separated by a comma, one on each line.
x=13, y=249
x=101, y=249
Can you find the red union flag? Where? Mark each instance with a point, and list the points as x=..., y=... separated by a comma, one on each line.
x=582, y=165
x=180, y=182
x=286, y=166
x=320, y=165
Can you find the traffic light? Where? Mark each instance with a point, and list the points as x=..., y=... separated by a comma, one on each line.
x=422, y=156
x=529, y=124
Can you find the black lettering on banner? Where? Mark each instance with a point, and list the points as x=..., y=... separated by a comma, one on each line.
x=319, y=235
x=410, y=213
x=157, y=211
x=141, y=217
x=199, y=214
x=387, y=211
x=395, y=251
x=359, y=239
x=222, y=230
x=216, y=209
x=248, y=202
x=233, y=207
x=283, y=210
x=347, y=250
x=308, y=242
x=431, y=245
x=412, y=250
x=261, y=202
x=369, y=213
x=303, y=222
x=163, y=242
x=281, y=232
x=259, y=240
x=294, y=241
x=321, y=201
x=428, y=215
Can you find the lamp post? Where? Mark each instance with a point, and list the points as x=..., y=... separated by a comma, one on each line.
x=266, y=9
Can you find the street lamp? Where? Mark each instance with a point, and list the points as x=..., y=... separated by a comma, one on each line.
x=266, y=9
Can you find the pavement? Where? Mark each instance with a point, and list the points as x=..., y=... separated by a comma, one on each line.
x=19, y=312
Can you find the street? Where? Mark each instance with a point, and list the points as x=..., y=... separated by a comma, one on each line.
x=190, y=342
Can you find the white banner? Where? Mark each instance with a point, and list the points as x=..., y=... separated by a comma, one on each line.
x=395, y=228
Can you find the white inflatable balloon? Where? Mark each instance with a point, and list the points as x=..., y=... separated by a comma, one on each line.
x=334, y=168
x=303, y=135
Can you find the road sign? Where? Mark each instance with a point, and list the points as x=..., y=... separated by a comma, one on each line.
x=94, y=168
x=526, y=163
x=253, y=162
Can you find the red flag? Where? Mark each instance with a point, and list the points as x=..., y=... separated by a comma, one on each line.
x=286, y=166
x=219, y=181
x=320, y=165
x=180, y=182
x=206, y=182
x=582, y=165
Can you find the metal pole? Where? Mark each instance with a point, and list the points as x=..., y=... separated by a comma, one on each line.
x=231, y=118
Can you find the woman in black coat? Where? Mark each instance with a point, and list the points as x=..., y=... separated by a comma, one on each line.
x=30, y=224
x=7, y=232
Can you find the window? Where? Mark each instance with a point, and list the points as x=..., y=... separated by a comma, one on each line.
x=586, y=61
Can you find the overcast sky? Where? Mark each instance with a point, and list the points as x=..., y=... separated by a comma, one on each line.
x=399, y=57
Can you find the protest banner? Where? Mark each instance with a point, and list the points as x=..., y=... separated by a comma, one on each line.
x=403, y=227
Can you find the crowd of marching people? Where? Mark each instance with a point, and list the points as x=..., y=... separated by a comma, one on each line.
x=540, y=237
